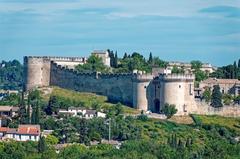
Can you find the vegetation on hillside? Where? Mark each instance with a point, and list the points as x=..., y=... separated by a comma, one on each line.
x=127, y=64
x=209, y=137
x=11, y=74
x=231, y=71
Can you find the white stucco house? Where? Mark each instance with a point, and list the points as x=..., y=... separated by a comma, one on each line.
x=22, y=133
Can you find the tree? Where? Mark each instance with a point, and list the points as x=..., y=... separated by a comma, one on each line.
x=150, y=59
x=83, y=131
x=169, y=110
x=159, y=63
x=11, y=75
x=116, y=60
x=177, y=70
x=119, y=109
x=22, y=111
x=235, y=70
x=42, y=146
x=35, y=114
x=51, y=140
x=196, y=65
x=200, y=75
x=125, y=55
x=28, y=111
x=111, y=55
x=238, y=63
x=94, y=64
x=53, y=105
x=216, y=97
x=207, y=95
x=227, y=99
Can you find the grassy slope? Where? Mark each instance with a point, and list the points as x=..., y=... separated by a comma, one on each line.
x=87, y=98
x=229, y=122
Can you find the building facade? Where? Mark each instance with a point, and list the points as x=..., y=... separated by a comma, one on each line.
x=227, y=86
x=22, y=133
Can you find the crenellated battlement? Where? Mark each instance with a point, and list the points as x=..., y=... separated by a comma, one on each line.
x=176, y=77
x=59, y=58
x=94, y=74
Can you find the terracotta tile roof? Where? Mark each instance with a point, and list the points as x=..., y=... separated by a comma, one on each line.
x=5, y=108
x=11, y=131
x=8, y=108
x=221, y=81
x=29, y=129
x=4, y=129
x=15, y=109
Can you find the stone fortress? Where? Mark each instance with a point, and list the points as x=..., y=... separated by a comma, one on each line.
x=140, y=91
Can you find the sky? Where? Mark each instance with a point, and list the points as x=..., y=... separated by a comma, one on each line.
x=176, y=30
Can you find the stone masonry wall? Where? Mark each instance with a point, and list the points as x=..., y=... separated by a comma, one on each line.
x=117, y=87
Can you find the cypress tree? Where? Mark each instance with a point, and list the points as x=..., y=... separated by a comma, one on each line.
x=83, y=131
x=37, y=114
x=42, y=146
x=33, y=121
x=22, y=111
x=216, y=97
x=28, y=118
x=125, y=55
x=111, y=55
x=239, y=63
x=235, y=69
x=150, y=59
x=116, y=60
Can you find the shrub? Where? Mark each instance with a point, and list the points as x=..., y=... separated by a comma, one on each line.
x=169, y=110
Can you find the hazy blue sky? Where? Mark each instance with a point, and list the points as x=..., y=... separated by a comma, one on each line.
x=184, y=30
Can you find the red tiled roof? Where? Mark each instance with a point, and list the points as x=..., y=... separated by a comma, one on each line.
x=29, y=129
x=4, y=129
x=22, y=129
x=221, y=81
x=11, y=131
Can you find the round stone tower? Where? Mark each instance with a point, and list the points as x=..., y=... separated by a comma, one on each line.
x=36, y=72
x=178, y=90
x=140, y=91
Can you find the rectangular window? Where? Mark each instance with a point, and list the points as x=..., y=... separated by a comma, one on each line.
x=190, y=89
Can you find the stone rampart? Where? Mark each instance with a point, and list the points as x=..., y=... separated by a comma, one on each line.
x=227, y=111
x=117, y=87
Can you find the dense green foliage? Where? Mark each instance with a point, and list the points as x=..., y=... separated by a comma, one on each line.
x=207, y=95
x=11, y=74
x=209, y=137
x=199, y=74
x=94, y=64
x=11, y=99
x=127, y=64
x=177, y=70
x=169, y=110
x=228, y=72
x=137, y=62
x=216, y=100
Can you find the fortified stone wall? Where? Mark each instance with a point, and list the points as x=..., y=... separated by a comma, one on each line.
x=37, y=69
x=117, y=87
x=227, y=111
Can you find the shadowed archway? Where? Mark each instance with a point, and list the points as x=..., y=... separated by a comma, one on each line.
x=157, y=106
